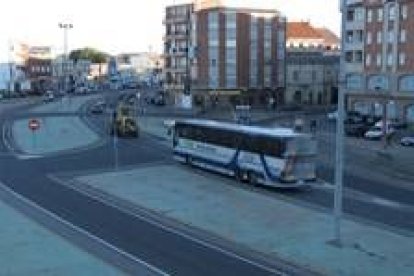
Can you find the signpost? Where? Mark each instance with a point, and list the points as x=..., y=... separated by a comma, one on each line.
x=34, y=125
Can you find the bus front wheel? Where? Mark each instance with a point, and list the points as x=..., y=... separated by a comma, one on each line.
x=241, y=176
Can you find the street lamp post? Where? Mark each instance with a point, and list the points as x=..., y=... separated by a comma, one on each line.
x=66, y=27
x=339, y=155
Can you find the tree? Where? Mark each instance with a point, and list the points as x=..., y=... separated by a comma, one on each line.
x=95, y=56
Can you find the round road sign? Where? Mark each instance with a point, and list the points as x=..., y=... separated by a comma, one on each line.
x=34, y=124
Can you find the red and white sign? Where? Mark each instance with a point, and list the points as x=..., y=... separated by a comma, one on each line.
x=34, y=124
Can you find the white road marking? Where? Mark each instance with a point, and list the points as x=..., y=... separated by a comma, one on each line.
x=170, y=229
x=28, y=156
x=83, y=232
x=5, y=140
x=386, y=202
x=377, y=200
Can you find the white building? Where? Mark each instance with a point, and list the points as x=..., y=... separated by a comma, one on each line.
x=12, y=78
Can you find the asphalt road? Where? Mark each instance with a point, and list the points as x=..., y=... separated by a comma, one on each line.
x=172, y=253
x=168, y=251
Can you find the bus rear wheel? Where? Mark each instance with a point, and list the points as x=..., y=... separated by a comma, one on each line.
x=252, y=179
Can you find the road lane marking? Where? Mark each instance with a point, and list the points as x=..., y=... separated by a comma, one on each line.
x=91, y=236
x=369, y=198
x=171, y=229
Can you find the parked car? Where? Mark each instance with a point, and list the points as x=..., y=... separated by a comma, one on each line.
x=370, y=119
x=407, y=141
x=396, y=124
x=354, y=117
x=48, y=97
x=351, y=117
x=356, y=130
x=158, y=99
x=98, y=108
x=333, y=115
x=376, y=132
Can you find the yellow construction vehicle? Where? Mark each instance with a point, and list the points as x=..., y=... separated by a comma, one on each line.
x=124, y=123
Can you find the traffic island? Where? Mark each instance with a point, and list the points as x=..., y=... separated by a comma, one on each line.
x=263, y=223
x=52, y=135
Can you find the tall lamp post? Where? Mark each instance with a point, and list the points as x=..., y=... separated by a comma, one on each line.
x=339, y=154
x=65, y=27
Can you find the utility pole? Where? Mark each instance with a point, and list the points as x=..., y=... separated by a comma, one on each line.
x=66, y=27
x=339, y=156
x=11, y=75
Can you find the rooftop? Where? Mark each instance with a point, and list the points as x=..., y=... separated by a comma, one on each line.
x=328, y=36
x=302, y=29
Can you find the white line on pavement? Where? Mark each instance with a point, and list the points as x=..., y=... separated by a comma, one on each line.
x=83, y=232
x=171, y=230
x=355, y=194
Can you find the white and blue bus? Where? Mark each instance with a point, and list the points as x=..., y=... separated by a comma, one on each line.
x=277, y=157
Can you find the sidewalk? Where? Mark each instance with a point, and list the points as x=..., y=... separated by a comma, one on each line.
x=260, y=222
x=27, y=248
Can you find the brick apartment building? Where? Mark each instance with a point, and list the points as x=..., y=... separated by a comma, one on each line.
x=225, y=54
x=378, y=60
x=39, y=68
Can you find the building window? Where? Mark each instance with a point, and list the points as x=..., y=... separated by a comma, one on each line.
x=379, y=60
x=368, y=60
x=402, y=59
x=231, y=50
x=313, y=75
x=349, y=36
x=379, y=37
x=392, y=12
x=404, y=12
x=369, y=16
x=403, y=36
x=391, y=36
x=369, y=38
x=348, y=56
x=350, y=15
x=213, y=22
x=360, y=35
x=380, y=14
x=295, y=75
x=390, y=59
x=358, y=56
x=359, y=14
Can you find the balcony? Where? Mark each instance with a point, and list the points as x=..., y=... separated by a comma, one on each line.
x=176, y=19
x=176, y=35
x=175, y=69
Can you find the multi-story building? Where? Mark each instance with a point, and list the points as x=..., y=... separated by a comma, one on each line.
x=179, y=38
x=312, y=77
x=39, y=72
x=378, y=65
x=219, y=52
x=39, y=68
x=312, y=65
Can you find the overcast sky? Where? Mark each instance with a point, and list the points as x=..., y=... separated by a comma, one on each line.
x=124, y=25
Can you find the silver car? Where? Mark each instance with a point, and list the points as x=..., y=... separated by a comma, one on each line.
x=407, y=141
